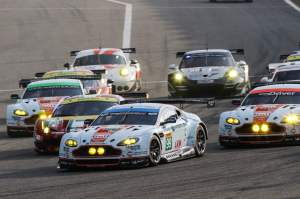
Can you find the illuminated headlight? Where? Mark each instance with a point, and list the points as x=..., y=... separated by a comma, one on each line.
x=46, y=130
x=264, y=128
x=128, y=142
x=71, y=143
x=232, y=74
x=292, y=118
x=255, y=128
x=43, y=115
x=124, y=72
x=20, y=112
x=178, y=77
x=233, y=121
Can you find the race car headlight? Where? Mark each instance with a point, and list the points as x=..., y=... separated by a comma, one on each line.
x=124, y=72
x=71, y=143
x=291, y=118
x=46, y=130
x=128, y=142
x=264, y=128
x=43, y=115
x=178, y=77
x=233, y=121
x=20, y=112
x=232, y=74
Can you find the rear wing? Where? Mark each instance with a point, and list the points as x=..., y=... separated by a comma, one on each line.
x=40, y=74
x=180, y=54
x=210, y=102
x=128, y=50
x=23, y=83
x=283, y=57
x=238, y=51
x=74, y=53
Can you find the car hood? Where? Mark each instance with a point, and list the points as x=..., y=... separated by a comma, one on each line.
x=103, y=67
x=264, y=113
x=199, y=73
x=34, y=105
x=109, y=134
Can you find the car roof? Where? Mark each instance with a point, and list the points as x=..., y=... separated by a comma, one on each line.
x=109, y=51
x=68, y=72
x=207, y=50
x=51, y=82
x=289, y=67
x=148, y=106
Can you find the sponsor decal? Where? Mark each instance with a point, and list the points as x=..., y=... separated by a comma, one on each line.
x=168, y=137
x=48, y=104
x=178, y=144
x=101, y=135
x=277, y=91
x=262, y=112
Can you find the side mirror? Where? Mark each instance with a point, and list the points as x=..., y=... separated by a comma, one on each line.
x=236, y=102
x=134, y=61
x=67, y=65
x=14, y=96
x=173, y=67
x=171, y=119
x=88, y=122
x=92, y=92
x=264, y=79
x=109, y=81
x=242, y=63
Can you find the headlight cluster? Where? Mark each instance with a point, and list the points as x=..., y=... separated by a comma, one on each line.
x=178, y=77
x=43, y=115
x=20, y=112
x=94, y=151
x=128, y=142
x=264, y=128
x=71, y=143
x=232, y=74
x=124, y=72
x=291, y=118
x=233, y=121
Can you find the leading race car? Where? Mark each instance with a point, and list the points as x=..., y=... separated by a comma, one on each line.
x=92, y=84
x=135, y=135
x=69, y=116
x=268, y=114
x=210, y=72
x=125, y=74
x=40, y=95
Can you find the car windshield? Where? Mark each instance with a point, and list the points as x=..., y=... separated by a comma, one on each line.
x=206, y=60
x=272, y=98
x=130, y=118
x=51, y=92
x=80, y=108
x=287, y=76
x=90, y=83
x=99, y=59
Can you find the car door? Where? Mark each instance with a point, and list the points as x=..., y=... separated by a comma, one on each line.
x=174, y=132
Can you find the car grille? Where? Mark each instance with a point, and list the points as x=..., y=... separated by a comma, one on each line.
x=109, y=151
x=246, y=129
x=31, y=120
x=262, y=139
x=98, y=162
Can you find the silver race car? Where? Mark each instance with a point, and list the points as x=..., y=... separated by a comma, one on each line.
x=212, y=72
x=138, y=134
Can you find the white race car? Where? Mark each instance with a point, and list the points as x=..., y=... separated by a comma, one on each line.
x=125, y=74
x=291, y=59
x=211, y=72
x=38, y=96
x=268, y=114
x=134, y=135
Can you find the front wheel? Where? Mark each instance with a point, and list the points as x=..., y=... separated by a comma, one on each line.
x=200, y=146
x=155, y=151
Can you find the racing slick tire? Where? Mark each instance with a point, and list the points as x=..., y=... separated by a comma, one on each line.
x=200, y=145
x=154, y=151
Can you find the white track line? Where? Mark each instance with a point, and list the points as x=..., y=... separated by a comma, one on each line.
x=292, y=4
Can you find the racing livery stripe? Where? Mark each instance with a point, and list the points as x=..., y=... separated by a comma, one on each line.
x=99, y=99
x=143, y=110
x=53, y=84
x=275, y=90
x=66, y=73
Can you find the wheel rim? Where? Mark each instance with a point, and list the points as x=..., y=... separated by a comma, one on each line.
x=201, y=142
x=155, y=151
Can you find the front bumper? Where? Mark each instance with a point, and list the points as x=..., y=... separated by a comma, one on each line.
x=48, y=143
x=26, y=129
x=102, y=162
x=193, y=88
x=259, y=139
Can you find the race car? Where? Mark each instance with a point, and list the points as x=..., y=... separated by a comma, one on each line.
x=293, y=58
x=38, y=96
x=212, y=72
x=125, y=74
x=268, y=115
x=69, y=116
x=92, y=84
x=137, y=135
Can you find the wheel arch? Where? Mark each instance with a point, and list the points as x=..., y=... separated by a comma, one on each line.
x=204, y=128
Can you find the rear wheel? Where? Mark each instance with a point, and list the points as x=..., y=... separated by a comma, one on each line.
x=200, y=146
x=155, y=151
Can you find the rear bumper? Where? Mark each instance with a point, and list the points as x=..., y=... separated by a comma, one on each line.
x=102, y=162
x=265, y=139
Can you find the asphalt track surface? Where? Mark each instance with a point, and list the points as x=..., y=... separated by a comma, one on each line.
x=36, y=35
